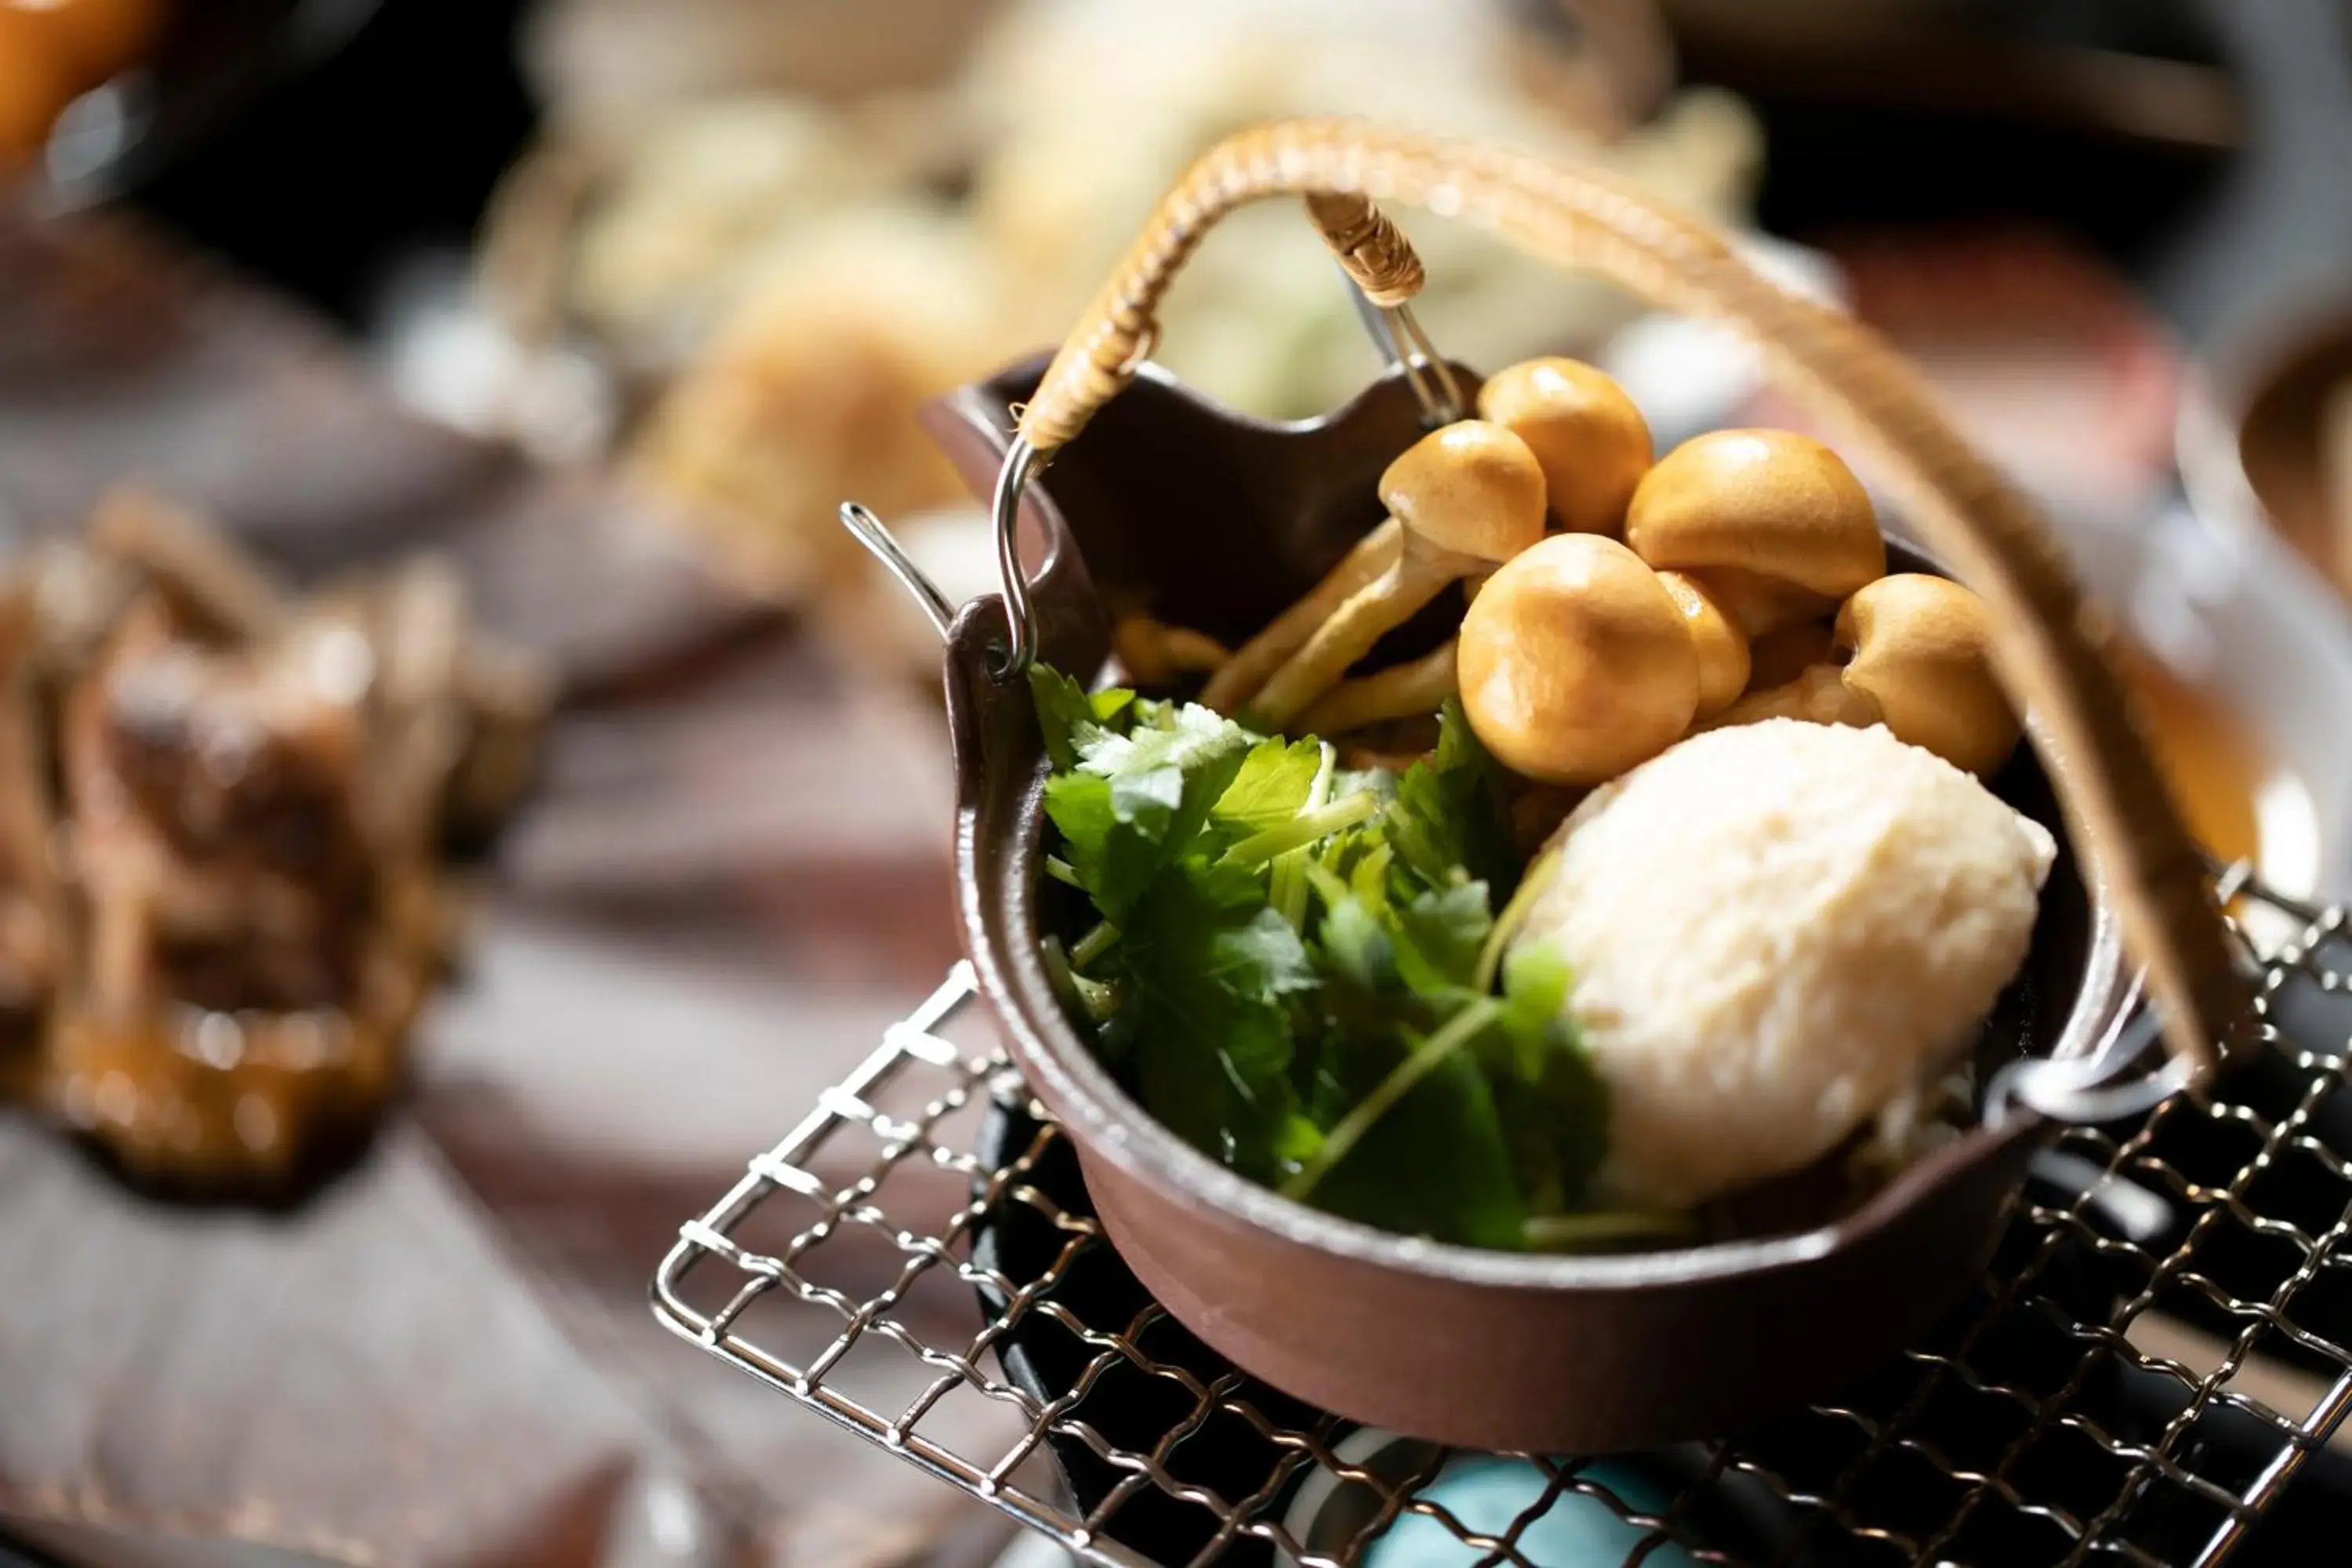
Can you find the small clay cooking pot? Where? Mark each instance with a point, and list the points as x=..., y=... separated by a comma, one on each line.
x=1205, y=519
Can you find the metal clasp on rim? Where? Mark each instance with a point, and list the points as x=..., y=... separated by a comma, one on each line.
x=2088, y=1090
x=1397, y=333
x=868, y=530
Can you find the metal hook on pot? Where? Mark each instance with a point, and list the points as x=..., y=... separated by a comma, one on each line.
x=1022, y=461
x=2088, y=1089
x=1403, y=346
x=2091, y=1088
x=868, y=530
x=1383, y=274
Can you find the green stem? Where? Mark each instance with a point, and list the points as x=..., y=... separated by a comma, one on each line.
x=1061, y=870
x=1099, y=998
x=1302, y=830
x=1450, y=1036
x=1287, y=886
x=1563, y=1232
x=1514, y=916
x=1094, y=944
x=1286, y=889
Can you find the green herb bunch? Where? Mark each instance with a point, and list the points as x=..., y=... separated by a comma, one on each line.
x=1301, y=970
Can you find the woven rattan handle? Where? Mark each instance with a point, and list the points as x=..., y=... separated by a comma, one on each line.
x=2051, y=651
x=1374, y=251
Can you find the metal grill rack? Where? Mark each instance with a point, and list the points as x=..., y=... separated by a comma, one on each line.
x=2148, y=1374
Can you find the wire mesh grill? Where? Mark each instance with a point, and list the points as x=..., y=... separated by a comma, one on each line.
x=2159, y=1353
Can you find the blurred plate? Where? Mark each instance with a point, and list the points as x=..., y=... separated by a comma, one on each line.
x=2232, y=613
x=2253, y=436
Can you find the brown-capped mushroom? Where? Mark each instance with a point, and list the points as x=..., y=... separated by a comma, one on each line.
x=1237, y=679
x=1914, y=653
x=1773, y=524
x=1468, y=495
x=1591, y=440
x=1921, y=648
x=1576, y=663
x=1722, y=649
x=1417, y=686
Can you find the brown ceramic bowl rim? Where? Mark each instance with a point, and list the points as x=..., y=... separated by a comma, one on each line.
x=1107, y=1123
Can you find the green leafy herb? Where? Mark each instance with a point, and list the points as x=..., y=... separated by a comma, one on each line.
x=1297, y=967
x=1449, y=820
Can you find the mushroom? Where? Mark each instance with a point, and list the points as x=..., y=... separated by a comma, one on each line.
x=1817, y=694
x=1418, y=685
x=1156, y=653
x=1772, y=523
x=1921, y=648
x=1914, y=653
x=1576, y=663
x=1778, y=658
x=1238, y=678
x=1722, y=650
x=1591, y=440
x=1467, y=497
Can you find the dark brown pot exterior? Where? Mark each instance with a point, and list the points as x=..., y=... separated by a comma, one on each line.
x=1551, y=1369
x=1171, y=507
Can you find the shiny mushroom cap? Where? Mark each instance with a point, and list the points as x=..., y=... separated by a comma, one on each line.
x=1468, y=488
x=1575, y=663
x=1722, y=651
x=1772, y=523
x=1591, y=440
x=1920, y=647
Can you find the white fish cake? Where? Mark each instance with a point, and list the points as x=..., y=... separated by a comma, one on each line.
x=1779, y=932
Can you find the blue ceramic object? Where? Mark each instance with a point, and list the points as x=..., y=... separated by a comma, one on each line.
x=1486, y=1492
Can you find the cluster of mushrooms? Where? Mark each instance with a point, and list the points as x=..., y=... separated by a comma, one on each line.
x=1615, y=603
x=224, y=811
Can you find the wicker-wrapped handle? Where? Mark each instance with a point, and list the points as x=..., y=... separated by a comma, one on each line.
x=2052, y=649
x=1374, y=251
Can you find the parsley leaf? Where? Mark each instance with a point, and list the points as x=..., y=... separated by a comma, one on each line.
x=1448, y=819
x=1133, y=802
x=1292, y=968
x=1207, y=968
x=1271, y=788
x=1438, y=938
x=1068, y=716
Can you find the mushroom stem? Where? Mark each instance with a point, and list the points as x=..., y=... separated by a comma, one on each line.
x=1370, y=613
x=1239, y=677
x=1156, y=653
x=1818, y=695
x=1419, y=686
x=1358, y=757
x=1465, y=498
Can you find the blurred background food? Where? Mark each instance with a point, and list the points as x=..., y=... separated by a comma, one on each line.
x=775, y=266
x=53, y=51
x=229, y=812
x=600, y=308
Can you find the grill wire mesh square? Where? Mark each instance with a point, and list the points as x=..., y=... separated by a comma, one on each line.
x=2163, y=1344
